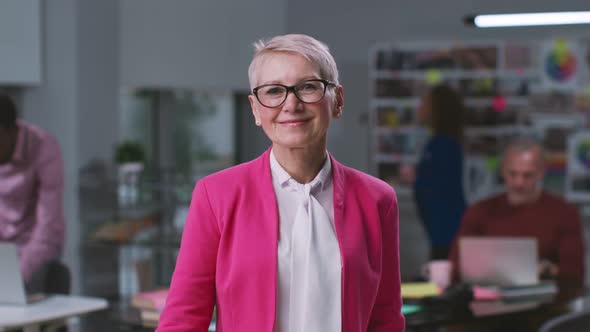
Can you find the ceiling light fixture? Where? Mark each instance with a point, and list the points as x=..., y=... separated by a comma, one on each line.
x=528, y=19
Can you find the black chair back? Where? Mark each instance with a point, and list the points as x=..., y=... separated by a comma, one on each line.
x=574, y=322
x=58, y=278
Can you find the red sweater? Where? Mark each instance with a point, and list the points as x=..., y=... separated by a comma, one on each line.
x=552, y=221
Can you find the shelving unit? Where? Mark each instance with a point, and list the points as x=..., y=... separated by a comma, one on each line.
x=400, y=74
x=129, y=247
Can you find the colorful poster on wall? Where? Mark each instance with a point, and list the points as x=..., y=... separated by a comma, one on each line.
x=577, y=184
x=560, y=64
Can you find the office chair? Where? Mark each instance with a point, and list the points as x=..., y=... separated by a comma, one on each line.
x=57, y=281
x=574, y=322
x=58, y=278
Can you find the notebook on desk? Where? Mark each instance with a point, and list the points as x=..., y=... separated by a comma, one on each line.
x=498, y=261
x=12, y=286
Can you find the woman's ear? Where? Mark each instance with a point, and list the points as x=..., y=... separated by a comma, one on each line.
x=255, y=111
x=339, y=102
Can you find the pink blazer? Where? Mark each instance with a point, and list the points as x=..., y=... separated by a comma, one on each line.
x=228, y=255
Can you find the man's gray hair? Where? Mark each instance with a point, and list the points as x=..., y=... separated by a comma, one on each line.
x=523, y=144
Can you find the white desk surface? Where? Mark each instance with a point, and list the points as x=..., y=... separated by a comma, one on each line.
x=52, y=308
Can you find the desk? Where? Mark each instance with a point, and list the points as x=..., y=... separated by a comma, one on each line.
x=129, y=318
x=437, y=314
x=55, y=307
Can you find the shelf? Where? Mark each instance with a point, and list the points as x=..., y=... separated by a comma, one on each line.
x=395, y=158
x=486, y=101
x=414, y=102
x=139, y=210
x=399, y=130
x=404, y=102
x=407, y=69
x=453, y=74
x=498, y=130
x=402, y=190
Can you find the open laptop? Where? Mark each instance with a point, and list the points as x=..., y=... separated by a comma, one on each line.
x=498, y=261
x=12, y=286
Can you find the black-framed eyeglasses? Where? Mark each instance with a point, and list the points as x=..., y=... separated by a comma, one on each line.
x=309, y=92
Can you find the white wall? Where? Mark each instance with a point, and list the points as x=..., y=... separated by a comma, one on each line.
x=193, y=44
x=20, y=42
x=78, y=96
x=54, y=107
x=98, y=78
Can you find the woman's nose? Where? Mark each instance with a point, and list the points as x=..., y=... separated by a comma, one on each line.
x=292, y=103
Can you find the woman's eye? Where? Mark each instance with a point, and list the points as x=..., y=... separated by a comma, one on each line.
x=274, y=91
x=308, y=87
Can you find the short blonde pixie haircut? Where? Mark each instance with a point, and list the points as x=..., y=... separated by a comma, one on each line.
x=308, y=47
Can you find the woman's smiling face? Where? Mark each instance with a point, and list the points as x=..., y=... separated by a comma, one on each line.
x=294, y=124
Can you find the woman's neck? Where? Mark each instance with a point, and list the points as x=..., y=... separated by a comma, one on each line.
x=302, y=164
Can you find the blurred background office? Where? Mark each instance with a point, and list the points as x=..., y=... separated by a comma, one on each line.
x=147, y=96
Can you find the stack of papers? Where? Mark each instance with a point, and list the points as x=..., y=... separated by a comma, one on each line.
x=418, y=290
x=512, y=292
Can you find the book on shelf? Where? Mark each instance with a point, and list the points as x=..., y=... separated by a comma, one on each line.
x=151, y=300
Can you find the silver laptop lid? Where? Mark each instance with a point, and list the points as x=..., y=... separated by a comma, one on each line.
x=501, y=261
x=12, y=288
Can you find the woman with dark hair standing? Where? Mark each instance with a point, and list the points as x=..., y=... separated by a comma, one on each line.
x=438, y=188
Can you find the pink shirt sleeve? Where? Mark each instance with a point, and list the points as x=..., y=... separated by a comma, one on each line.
x=47, y=237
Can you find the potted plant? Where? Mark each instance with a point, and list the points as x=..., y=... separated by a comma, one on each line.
x=130, y=159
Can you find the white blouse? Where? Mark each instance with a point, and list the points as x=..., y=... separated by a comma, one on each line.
x=309, y=262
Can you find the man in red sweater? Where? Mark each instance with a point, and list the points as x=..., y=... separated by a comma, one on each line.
x=524, y=209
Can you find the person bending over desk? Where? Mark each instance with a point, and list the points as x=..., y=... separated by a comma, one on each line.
x=293, y=240
x=31, y=194
x=525, y=210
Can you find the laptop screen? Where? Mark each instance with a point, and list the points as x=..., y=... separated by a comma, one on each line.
x=499, y=261
x=12, y=288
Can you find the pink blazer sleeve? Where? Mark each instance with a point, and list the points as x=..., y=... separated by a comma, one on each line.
x=386, y=315
x=190, y=302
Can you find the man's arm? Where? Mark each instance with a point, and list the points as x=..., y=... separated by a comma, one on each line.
x=571, y=250
x=48, y=233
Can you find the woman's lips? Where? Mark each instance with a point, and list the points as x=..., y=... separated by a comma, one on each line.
x=294, y=123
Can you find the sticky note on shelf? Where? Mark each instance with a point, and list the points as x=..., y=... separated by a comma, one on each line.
x=499, y=104
x=433, y=76
x=417, y=290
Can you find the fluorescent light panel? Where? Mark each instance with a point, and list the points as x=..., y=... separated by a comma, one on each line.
x=531, y=19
